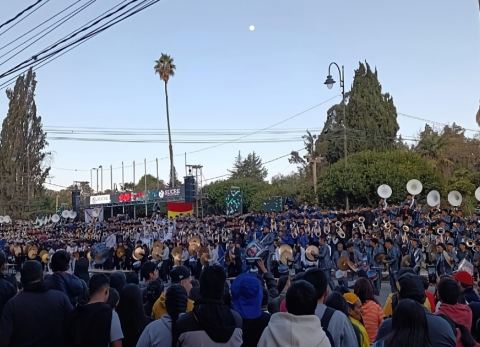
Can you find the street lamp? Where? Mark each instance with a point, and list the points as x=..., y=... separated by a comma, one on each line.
x=329, y=82
x=101, y=170
x=96, y=169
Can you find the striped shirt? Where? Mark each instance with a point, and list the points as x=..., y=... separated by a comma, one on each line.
x=372, y=318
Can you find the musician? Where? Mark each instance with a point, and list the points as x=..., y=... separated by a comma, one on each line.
x=213, y=253
x=463, y=252
x=230, y=259
x=444, y=265
x=165, y=264
x=393, y=261
x=325, y=260
x=377, y=249
x=416, y=255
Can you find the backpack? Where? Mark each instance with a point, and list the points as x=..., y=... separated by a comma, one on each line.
x=466, y=337
x=327, y=315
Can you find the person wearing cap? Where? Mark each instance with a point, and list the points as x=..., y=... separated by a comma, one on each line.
x=75, y=288
x=36, y=316
x=299, y=326
x=247, y=295
x=439, y=331
x=211, y=322
x=179, y=275
x=463, y=252
x=159, y=333
x=8, y=286
x=468, y=294
x=355, y=313
x=444, y=263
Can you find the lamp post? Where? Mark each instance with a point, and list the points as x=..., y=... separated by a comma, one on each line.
x=329, y=82
x=96, y=169
x=101, y=180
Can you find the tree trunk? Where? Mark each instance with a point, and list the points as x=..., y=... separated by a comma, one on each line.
x=170, y=150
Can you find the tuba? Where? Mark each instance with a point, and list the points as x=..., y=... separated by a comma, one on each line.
x=339, y=230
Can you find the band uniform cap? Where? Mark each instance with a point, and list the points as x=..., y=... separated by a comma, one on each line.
x=463, y=277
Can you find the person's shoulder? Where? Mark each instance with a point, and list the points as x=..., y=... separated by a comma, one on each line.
x=437, y=322
x=237, y=318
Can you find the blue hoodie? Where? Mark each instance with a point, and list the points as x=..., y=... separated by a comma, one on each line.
x=73, y=287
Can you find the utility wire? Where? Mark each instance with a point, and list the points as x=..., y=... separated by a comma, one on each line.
x=18, y=15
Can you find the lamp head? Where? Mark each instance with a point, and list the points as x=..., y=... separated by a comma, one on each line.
x=329, y=82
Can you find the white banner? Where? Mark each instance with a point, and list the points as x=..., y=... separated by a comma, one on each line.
x=92, y=213
x=100, y=199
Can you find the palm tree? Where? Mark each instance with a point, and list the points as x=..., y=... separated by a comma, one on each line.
x=165, y=68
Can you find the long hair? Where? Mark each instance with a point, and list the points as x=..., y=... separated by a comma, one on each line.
x=176, y=299
x=363, y=288
x=409, y=326
x=131, y=313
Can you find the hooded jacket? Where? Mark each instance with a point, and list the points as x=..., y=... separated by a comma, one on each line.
x=73, y=287
x=157, y=334
x=285, y=329
x=459, y=313
x=210, y=323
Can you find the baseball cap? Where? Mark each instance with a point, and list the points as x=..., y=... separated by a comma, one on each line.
x=247, y=296
x=179, y=273
x=351, y=298
x=463, y=277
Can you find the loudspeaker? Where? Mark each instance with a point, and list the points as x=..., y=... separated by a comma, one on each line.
x=76, y=201
x=189, y=188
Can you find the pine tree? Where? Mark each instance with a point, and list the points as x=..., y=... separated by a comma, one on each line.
x=250, y=167
x=371, y=119
x=22, y=149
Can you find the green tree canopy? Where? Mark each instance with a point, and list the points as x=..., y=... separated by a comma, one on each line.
x=369, y=169
x=249, y=167
x=371, y=119
x=152, y=183
x=22, y=149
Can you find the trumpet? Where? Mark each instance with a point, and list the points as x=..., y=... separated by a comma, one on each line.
x=282, y=223
x=318, y=233
x=422, y=232
x=440, y=231
x=326, y=228
x=340, y=232
x=387, y=225
x=375, y=224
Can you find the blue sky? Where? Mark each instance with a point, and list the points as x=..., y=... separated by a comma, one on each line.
x=427, y=54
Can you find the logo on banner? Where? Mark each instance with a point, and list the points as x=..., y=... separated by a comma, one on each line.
x=169, y=193
x=100, y=199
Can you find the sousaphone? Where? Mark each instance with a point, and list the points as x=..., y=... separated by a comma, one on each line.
x=477, y=194
x=455, y=198
x=433, y=198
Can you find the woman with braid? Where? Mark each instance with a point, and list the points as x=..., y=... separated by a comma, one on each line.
x=159, y=333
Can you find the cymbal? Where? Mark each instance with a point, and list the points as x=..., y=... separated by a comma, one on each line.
x=312, y=253
x=44, y=256
x=342, y=263
x=286, y=254
x=177, y=253
x=138, y=253
x=193, y=244
x=406, y=261
x=380, y=257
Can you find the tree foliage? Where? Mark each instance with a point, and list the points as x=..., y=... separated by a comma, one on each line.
x=22, y=149
x=152, y=183
x=250, y=167
x=371, y=119
x=369, y=169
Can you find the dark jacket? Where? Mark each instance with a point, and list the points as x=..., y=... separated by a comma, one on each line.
x=89, y=325
x=73, y=287
x=8, y=289
x=208, y=323
x=35, y=319
x=253, y=329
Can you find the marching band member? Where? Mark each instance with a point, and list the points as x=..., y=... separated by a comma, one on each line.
x=393, y=261
x=325, y=260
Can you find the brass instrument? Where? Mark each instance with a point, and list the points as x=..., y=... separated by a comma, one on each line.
x=375, y=224
x=339, y=230
x=305, y=221
x=294, y=233
x=405, y=228
x=326, y=228
x=318, y=233
x=470, y=243
x=282, y=223
x=362, y=228
x=440, y=231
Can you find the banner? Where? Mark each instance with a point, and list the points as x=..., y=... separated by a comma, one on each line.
x=100, y=199
x=91, y=213
x=179, y=209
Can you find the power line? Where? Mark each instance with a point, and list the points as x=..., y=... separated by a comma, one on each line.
x=54, y=26
x=121, y=17
x=20, y=13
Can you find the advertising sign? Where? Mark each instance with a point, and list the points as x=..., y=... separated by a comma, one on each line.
x=100, y=199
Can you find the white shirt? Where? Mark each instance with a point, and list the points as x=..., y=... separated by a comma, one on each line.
x=166, y=253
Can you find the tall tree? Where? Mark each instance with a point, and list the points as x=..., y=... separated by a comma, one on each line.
x=22, y=149
x=250, y=167
x=371, y=119
x=152, y=183
x=165, y=68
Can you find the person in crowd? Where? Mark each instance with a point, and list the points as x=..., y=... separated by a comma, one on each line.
x=131, y=314
x=335, y=323
x=393, y=255
x=37, y=315
x=95, y=324
x=70, y=285
x=178, y=275
x=113, y=298
x=118, y=280
x=429, y=296
x=211, y=322
x=439, y=331
x=372, y=312
x=282, y=287
x=152, y=286
x=159, y=333
x=8, y=286
x=299, y=326
x=409, y=327
x=81, y=269
x=465, y=280
x=355, y=313
x=459, y=316
x=247, y=295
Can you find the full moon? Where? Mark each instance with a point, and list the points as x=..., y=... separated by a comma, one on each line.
x=251, y=28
